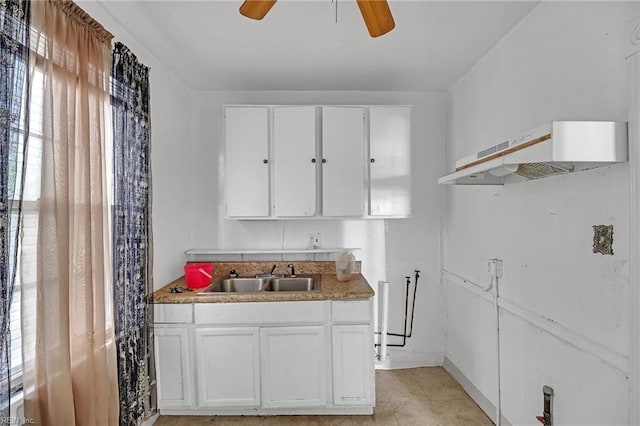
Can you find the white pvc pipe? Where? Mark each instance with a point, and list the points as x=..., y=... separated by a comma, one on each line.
x=383, y=286
x=496, y=301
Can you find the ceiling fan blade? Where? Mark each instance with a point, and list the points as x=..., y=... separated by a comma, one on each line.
x=256, y=9
x=377, y=16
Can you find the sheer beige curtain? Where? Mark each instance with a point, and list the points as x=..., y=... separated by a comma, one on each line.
x=70, y=375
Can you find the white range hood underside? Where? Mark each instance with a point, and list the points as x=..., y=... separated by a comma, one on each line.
x=552, y=149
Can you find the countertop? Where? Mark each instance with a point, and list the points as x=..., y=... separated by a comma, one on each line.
x=330, y=287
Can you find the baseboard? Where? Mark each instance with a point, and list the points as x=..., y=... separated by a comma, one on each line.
x=398, y=359
x=309, y=411
x=475, y=394
x=151, y=420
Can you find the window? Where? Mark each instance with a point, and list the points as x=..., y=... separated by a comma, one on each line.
x=27, y=266
x=25, y=284
x=23, y=302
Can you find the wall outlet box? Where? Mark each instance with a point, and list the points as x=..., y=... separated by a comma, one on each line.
x=313, y=240
x=603, y=239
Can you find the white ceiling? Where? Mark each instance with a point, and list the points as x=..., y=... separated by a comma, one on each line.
x=299, y=46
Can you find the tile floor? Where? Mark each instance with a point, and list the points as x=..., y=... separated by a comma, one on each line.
x=417, y=396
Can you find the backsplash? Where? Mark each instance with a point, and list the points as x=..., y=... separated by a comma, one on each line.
x=302, y=267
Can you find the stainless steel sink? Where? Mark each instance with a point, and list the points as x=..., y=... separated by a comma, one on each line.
x=237, y=285
x=293, y=284
x=251, y=285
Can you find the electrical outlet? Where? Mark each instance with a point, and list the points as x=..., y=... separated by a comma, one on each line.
x=313, y=240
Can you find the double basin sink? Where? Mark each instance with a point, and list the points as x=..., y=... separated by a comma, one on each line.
x=275, y=283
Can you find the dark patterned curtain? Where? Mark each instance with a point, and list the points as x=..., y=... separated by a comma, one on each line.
x=132, y=242
x=14, y=62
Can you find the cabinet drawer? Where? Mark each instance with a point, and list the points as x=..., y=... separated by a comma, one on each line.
x=351, y=311
x=267, y=313
x=172, y=313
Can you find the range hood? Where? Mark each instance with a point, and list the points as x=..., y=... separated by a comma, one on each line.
x=554, y=148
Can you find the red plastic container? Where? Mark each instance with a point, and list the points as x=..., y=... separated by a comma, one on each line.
x=198, y=275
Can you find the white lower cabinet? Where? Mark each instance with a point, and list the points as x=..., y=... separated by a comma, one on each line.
x=228, y=366
x=309, y=357
x=294, y=366
x=352, y=366
x=173, y=367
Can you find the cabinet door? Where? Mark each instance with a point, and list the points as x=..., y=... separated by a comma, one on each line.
x=342, y=161
x=174, y=372
x=294, y=366
x=294, y=163
x=353, y=358
x=228, y=366
x=247, y=161
x=390, y=161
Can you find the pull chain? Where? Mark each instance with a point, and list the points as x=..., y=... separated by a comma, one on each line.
x=336, y=9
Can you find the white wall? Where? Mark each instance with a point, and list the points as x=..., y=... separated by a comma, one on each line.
x=412, y=243
x=186, y=137
x=565, y=60
x=170, y=154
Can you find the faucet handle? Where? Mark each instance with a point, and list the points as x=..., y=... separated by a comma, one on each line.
x=293, y=271
x=233, y=273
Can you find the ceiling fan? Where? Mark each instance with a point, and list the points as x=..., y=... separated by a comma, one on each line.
x=376, y=13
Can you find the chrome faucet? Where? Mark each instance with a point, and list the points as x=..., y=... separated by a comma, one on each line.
x=269, y=274
x=293, y=271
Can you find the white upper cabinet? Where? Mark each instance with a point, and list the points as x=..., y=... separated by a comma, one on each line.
x=294, y=161
x=247, y=161
x=317, y=161
x=342, y=161
x=390, y=161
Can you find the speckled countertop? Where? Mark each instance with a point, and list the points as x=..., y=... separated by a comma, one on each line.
x=330, y=287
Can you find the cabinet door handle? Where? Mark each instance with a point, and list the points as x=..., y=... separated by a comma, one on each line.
x=373, y=160
x=313, y=160
x=324, y=160
x=265, y=161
